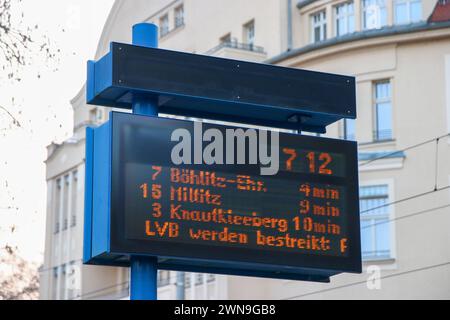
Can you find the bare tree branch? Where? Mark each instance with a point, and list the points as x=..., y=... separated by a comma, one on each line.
x=18, y=46
x=21, y=280
x=14, y=119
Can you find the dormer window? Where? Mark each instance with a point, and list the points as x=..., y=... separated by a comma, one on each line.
x=407, y=11
x=164, y=25
x=179, y=16
x=345, y=18
x=319, y=26
x=374, y=14
x=249, y=33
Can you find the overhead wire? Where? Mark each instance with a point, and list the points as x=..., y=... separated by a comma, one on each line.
x=384, y=156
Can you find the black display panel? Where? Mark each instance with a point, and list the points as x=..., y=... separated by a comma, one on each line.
x=306, y=216
x=221, y=89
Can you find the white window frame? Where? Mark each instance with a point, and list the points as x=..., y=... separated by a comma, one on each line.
x=179, y=21
x=57, y=206
x=376, y=102
x=250, y=32
x=391, y=216
x=164, y=277
x=74, y=200
x=380, y=5
x=321, y=24
x=163, y=28
x=344, y=130
x=346, y=15
x=67, y=180
x=408, y=11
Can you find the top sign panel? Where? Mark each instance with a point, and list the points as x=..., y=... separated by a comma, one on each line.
x=298, y=221
x=221, y=89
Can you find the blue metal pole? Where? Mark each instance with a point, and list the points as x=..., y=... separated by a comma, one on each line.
x=145, y=35
x=143, y=281
x=143, y=278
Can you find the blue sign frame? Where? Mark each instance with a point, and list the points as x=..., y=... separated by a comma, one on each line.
x=106, y=244
x=144, y=79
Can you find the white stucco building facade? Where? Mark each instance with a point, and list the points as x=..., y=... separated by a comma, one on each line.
x=399, y=52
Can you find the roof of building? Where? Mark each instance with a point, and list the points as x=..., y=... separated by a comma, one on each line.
x=361, y=35
x=441, y=11
x=304, y=3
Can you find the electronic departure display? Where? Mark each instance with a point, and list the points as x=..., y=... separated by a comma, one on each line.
x=301, y=218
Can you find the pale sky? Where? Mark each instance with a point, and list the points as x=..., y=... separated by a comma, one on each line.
x=43, y=109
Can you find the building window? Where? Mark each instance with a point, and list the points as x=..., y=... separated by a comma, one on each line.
x=179, y=16
x=55, y=283
x=345, y=18
x=73, y=280
x=375, y=227
x=198, y=279
x=163, y=278
x=73, y=210
x=211, y=278
x=72, y=267
x=374, y=14
x=55, y=272
x=249, y=33
x=62, y=292
x=164, y=25
x=319, y=27
x=187, y=280
x=383, y=111
x=349, y=129
x=57, y=206
x=66, y=202
x=96, y=115
x=407, y=11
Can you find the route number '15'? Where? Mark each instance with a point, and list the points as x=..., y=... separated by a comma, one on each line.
x=156, y=192
x=318, y=162
x=156, y=188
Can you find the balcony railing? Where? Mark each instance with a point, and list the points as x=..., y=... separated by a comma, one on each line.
x=238, y=46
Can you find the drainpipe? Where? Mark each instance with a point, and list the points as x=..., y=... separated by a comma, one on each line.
x=289, y=26
x=180, y=285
